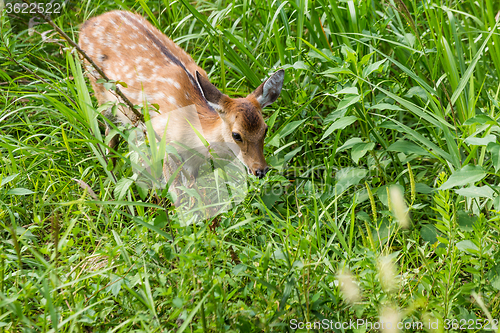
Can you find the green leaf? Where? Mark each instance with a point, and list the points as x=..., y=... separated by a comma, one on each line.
x=270, y=122
x=189, y=318
x=337, y=70
x=239, y=269
x=467, y=175
x=279, y=255
x=360, y=149
x=335, y=115
x=348, y=101
x=476, y=192
x=416, y=91
x=494, y=149
x=8, y=179
x=122, y=186
x=299, y=65
x=363, y=216
x=471, y=140
x=366, y=58
x=407, y=147
x=465, y=221
x=410, y=38
x=386, y=106
x=480, y=119
x=495, y=282
x=349, y=54
x=115, y=286
x=291, y=154
x=349, y=144
x=161, y=220
x=373, y=67
x=347, y=91
x=347, y=177
x=265, y=259
x=289, y=128
x=239, y=224
x=429, y=233
x=177, y=302
x=19, y=191
x=468, y=73
x=143, y=190
x=287, y=291
x=339, y=124
x=494, y=277
x=467, y=246
x=423, y=188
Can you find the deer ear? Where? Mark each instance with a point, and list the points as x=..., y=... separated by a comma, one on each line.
x=270, y=90
x=211, y=93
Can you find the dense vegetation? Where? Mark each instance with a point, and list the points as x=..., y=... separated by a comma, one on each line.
x=387, y=107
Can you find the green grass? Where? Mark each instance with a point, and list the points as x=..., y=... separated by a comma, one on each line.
x=376, y=95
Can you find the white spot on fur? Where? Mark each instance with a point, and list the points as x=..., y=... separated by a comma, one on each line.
x=215, y=106
x=172, y=100
x=170, y=81
x=90, y=49
x=159, y=95
x=84, y=40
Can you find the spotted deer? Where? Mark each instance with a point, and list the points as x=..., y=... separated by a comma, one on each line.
x=130, y=49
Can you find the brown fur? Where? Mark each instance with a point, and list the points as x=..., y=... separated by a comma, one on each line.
x=116, y=42
x=130, y=49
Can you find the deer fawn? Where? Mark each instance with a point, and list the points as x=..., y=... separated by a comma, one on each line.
x=130, y=49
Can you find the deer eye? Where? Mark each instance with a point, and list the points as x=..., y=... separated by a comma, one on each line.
x=237, y=137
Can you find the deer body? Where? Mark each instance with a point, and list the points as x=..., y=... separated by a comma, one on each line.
x=130, y=49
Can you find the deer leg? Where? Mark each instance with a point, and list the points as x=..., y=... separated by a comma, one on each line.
x=170, y=166
x=112, y=144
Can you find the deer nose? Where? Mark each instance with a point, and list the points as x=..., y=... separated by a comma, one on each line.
x=261, y=172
